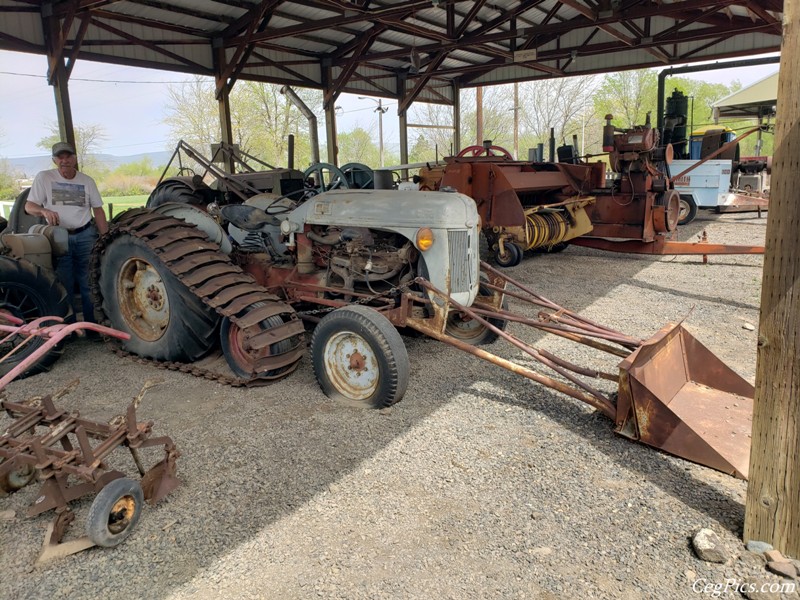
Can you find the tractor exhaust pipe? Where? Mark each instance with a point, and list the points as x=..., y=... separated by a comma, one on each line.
x=312, y=120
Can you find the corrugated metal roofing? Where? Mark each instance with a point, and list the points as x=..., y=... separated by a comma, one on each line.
x=390, y=47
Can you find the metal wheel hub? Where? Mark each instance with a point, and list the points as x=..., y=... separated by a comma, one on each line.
x=684, y=209
x=352, y=365
x=143, y=299
x=460, y=324
x=120, y=516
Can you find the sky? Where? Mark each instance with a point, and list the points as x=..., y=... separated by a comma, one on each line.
x=129, y=103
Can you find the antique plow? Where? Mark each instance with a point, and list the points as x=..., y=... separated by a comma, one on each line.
x=70, y=453
x=672, y=392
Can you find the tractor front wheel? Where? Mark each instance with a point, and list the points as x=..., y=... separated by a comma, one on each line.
x=359, y=358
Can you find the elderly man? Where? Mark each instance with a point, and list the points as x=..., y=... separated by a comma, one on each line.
x=65, y=197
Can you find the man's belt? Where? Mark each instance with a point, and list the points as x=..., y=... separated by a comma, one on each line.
x=79, y=229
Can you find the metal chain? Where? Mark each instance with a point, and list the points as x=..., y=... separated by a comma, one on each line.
x=390, y=292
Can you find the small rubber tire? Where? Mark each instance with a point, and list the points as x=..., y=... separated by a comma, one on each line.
x=511, y=258
x=382, y=357
x=687, y=211
x=18, y=478
x=115, y=512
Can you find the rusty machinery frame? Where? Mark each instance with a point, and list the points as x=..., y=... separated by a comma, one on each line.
x=58, y=445
x=505, y=191
x=672, y=392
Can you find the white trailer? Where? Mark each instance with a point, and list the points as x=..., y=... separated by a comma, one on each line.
x=706, y=186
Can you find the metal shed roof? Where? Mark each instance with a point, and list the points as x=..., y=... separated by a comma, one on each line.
x=411, y=50
x=754, y=100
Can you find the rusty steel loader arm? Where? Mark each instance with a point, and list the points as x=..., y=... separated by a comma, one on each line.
x=672, y=392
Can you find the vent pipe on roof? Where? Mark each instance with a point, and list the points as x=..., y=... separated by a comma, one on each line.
x=312, y=120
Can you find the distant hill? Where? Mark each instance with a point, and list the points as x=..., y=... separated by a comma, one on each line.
x=28, y=166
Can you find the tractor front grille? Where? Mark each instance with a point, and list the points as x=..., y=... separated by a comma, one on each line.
x=460, y=260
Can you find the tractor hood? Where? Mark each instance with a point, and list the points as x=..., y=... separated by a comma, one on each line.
x=388, y=209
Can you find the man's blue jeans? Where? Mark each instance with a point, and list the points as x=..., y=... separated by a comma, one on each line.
x=73, y=268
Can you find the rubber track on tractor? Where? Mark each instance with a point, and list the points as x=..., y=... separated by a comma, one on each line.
x=216, y=281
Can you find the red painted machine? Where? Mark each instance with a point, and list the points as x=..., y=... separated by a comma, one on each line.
x=527, y=206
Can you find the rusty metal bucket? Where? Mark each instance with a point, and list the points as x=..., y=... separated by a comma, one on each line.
x=676, y=395
x=673, y=393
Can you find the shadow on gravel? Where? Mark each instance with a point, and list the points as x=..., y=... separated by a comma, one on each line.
x=251, y=458
x=701, y=297
x=638, y=459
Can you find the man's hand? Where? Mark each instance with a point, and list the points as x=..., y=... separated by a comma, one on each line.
x=50, y=216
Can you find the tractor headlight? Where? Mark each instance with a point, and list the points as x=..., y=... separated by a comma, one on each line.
x=424, y=239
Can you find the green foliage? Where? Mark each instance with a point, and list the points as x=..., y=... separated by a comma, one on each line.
x=9, y=188
x=422, y=150
x=261, y=119
x=87, y=138
x=357, y=146
x=129, y=179
x=629, y=96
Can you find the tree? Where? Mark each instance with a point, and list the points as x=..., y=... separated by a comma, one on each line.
x=87, y=138
x=261, y=118
x=628, y=95
x=9, y=188
x=357, y=146
x=498, y=116
x=563, y=104
x=192, y=113
x=438, y=141
x=422, y=150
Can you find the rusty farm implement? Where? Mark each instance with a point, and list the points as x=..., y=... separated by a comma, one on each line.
x=70, y=454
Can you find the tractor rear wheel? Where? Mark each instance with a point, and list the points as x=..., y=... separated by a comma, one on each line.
x=242, y=359
x=28, y=292
x=143, y=298
x=359, y=358
x=174, y=190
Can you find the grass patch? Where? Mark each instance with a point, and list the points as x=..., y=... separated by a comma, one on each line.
x=117, y=204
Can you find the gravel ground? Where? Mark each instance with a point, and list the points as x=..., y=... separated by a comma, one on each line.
x=480, y=484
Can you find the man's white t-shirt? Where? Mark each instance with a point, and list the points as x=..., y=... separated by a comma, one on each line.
x=73, y=199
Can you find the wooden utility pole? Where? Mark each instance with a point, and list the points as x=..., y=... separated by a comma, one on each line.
x=773, y=493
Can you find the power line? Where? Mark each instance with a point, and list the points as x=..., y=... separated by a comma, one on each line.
x=91, y=80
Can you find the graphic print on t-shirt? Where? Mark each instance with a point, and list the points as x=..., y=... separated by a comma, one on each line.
x=69, y=194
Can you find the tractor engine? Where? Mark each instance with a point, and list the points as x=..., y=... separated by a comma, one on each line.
x=360, y=259
x=357, y=243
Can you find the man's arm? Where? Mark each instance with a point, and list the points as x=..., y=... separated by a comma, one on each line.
x=100, y=219
x=37, y=210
